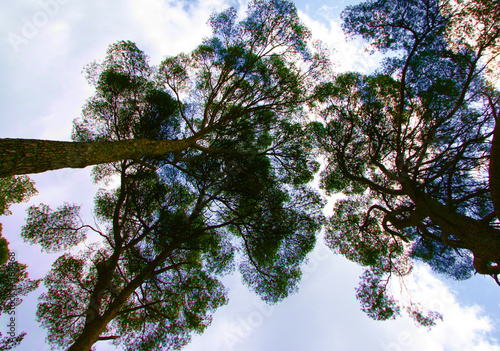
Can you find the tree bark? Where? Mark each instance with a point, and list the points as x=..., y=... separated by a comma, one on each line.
x=477, y=236
x=26, y=156
x=95, y=327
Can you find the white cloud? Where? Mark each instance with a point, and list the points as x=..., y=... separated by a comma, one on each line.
x=347, y=55
x=463, y=327
x=44, y=91
x=324, y=315
x=173, y=27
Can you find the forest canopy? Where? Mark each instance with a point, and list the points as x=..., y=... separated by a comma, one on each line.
x=205, y=164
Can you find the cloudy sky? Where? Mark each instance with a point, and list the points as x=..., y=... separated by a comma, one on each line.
x=44, y=46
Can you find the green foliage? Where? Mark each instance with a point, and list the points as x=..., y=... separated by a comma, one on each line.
x=443, y=259
x=14, y=190
x=359, y=237
x=8, y=343
x=14, y=283
x=174, y=225
x=4, y=248
x=473, y=25
x=408, y=147
x=68, y=282
x=186, y=304
x=54, y=230
x=424, y=319
x=171, y=303
x=372, y=294
x=128, y=103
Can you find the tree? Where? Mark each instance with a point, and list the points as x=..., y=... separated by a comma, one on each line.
x=154, y=279
x=241, y=70
x=176, y=223
x=12, y=190
x=475, y=25
x=15, y=190
x=408, y=147
x=147, y=285
x=14, y=281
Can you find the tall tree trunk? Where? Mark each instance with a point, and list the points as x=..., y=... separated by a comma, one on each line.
x=26, y=156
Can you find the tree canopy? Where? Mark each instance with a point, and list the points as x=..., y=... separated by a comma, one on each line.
x=176, y=223
x=205, y=160
x=409, y=147
x=14, y=281
x=260, y=64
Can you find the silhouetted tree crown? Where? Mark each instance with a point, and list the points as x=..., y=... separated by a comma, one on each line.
x=177, y=222
x=409, y=147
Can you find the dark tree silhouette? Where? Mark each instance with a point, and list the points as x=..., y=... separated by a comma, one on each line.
x=409, y=147
x=173, y=225
x=14, y=281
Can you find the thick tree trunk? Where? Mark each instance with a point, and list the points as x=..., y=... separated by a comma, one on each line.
x=26, y=156
x=97, y=325
x=477, y=236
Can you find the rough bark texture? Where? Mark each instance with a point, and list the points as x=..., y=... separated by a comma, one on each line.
x=26, y=156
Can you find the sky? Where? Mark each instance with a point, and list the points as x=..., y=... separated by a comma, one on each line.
x=44, y=46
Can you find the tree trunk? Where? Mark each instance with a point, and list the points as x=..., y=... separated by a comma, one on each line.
x=477, y=236
x=26, y=156
x=96, y=326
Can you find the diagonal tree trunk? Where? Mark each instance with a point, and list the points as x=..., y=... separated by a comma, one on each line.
x=96, y=326
x=26, y=156
x=477, y=236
